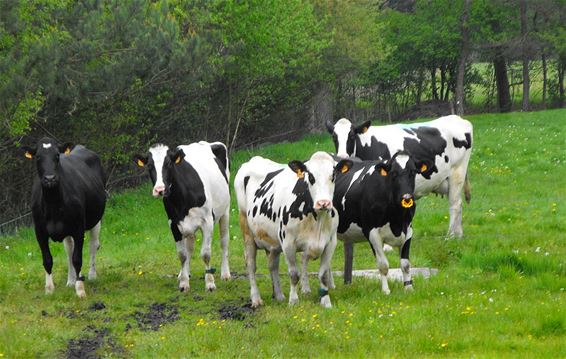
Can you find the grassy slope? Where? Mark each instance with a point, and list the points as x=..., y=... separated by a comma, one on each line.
x=497, y=294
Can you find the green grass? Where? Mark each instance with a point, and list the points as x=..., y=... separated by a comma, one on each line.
x=500, y=291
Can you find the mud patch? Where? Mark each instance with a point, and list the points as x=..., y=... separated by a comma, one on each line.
x=156, y=315
x=235, y=312
x=93, y=343
x=97, y=306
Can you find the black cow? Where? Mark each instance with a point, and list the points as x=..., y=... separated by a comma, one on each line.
x=68, y=198
x=375, y=202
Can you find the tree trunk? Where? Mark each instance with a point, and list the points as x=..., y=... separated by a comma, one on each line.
x=525, y=56
x=561, y=68
x=433, y=83
x=321, y=109
x=442, y=80
x=502, y=82
x=462, y=61
x=544, y=77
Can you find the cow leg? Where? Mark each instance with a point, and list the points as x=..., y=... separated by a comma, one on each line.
x=78, y=263
x=455, y=187
x=94, y=244
x=71, y=275
x=205, y=252
x=223, y=224
x=382, y=264
x=305, y=286
x=291, y=258
x=184, y=257
x=405, y=264
x=250, y=253
x=348, y=261
x=274, y=270
x=43, y=241
x=324, y=272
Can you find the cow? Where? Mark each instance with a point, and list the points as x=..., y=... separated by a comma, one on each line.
x=288, y=208
x=446, y=141
x=193, y=182
x=376, y=203
x=68, y=198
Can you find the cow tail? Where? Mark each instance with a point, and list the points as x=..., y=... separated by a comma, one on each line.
x=467, y=189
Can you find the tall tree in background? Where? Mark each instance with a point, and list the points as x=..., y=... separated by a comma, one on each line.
x=525, y=55
x=463, y=59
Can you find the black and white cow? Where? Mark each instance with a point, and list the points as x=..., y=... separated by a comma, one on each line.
x=375, y=203
x=68, y=198
x=193, y=181
x=288, y=208
x=446, y=142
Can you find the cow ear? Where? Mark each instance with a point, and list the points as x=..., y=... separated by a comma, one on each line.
x=329, y=127
x=299, y=168
x=343, y=166
x=382, y=168
x=29, y=152
x=66, y=148
x=178, y=156
x=140, y=160
x=363, y=128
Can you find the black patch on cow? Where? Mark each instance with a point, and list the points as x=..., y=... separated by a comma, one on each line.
x=267, y=183
x=254, y=211
x=220, y=157
x=312, y=180
x=409, y=131
x=186, y=191
x=373, y=151
x=246, y=180
x=430, y=145
x=446, y=159
x=303, y=197
x=406, y=249
x=467, y=143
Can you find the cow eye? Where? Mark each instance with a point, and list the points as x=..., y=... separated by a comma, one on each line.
x=311, y=179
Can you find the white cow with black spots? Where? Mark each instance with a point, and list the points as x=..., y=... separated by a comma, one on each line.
x=288, y=208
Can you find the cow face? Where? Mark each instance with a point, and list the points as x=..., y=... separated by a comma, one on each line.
x=47, y=155
x=320, y=173
x=344, y=136
x=400, y=171
x=154, y=163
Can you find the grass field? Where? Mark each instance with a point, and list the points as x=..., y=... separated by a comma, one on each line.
x=500, y=291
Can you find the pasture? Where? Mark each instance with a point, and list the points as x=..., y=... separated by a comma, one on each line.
x=500, y=291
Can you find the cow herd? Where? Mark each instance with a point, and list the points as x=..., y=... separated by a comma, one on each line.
x=366, y=192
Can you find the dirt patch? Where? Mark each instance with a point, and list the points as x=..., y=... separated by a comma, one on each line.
x=235, y=312
x=93, y=343
x=97, y=306
x=156, y=315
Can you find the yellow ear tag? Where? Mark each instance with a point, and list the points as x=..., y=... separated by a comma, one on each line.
x=140, y=163
x=28, y=155
x=383, y=172
x=344, y=169
x=300, y=174
x=424, y=167
x=67, y=150
x=178, y=160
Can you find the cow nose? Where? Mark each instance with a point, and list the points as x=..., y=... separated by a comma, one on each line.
x=407, y=200
x=49, y=177
x=158, y=191
x=323, y=204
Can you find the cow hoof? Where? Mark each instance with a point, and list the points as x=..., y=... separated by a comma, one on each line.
x=279, y=298
x=184, y=287
x=49, y=289
x=71, y=283
x=80, y=289
x=293, y=301
x=409, y=288
x=91, y=275
x=305, y=290
x=211, y=287
x=325, y=302
x=386, y=291
x=257, y=303
x=226, y=276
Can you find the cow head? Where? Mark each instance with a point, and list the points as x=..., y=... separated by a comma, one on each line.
x=400, y=171
x=154, y=161
x=344, y=136
x=319, y=172
x=47, y=156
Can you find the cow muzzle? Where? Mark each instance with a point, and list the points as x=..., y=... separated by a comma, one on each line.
x=323, y=204
x=343, y=155
x=158, y=191
x=407, y=201
x=49, y=181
